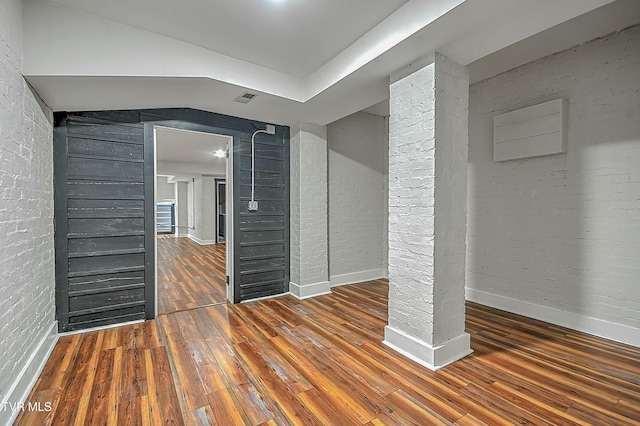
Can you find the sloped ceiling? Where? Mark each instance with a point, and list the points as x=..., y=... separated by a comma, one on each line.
x=309, y=61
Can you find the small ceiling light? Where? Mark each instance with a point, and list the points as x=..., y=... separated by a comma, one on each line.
x=220, y=153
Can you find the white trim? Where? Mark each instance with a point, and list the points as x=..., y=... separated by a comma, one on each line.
x=257, y=299
x=201, y=242
x=102, y=327
x=356, y=277
x=595, y=326
x=26, y=379
x=432, y=357
x=309, y=290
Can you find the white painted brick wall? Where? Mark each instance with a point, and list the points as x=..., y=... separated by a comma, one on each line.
x=204, y=204
x=357, y=194
x=427, y=201
x=411, y=203
x=452, y=101
x=182, y=208
x=27, y=282
x=308, y=229
x=165, y=192
x=563, y=231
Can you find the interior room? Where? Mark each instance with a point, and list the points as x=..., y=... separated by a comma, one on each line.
x=320, y=212
x=191, y=169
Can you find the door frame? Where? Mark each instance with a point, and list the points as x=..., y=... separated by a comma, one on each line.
x=218, y=182
x=150, y=122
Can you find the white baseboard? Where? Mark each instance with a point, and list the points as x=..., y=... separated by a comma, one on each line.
x=432, y=357
x=309, y=290
x=201, y=242
x=597, y=327
x=356, y=277
x=19, y=391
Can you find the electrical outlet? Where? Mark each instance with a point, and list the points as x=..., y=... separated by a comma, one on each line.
x=253, y=206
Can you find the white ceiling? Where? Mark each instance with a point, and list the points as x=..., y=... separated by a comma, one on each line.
x=185, y=146
x=295, y=37
x=308, y=60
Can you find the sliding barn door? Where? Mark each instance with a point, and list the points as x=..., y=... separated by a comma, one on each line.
x=261, y=254
x=104, y=226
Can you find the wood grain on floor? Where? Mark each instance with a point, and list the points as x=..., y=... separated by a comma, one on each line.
x=321, y=362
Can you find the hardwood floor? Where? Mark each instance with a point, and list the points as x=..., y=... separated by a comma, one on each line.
x=321, y=362
x=189, y=275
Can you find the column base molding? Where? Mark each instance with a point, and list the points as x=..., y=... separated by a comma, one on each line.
x=309, y=290
x=432, y=357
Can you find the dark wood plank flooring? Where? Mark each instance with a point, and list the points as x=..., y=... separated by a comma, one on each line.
x=189, y=275
x=321, y=362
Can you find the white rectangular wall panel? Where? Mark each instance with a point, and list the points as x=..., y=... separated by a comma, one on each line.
x=534, y=131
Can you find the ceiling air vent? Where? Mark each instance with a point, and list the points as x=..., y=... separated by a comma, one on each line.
x=245, y=98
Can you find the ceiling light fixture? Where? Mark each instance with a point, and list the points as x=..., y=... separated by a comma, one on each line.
x=220, y=153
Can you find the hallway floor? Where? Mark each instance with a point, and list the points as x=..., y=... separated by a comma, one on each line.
x=320, y=361
x=189, y=275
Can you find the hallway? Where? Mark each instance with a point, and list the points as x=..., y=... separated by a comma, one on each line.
x=189, y=275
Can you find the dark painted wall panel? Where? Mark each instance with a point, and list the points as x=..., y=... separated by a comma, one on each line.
x=261, y=264
x=107, y=317
x=251, y=252
x=105, y=300
x=105, y=264
x=102, y=276
x=256, y=222
x=104, y=245
x=105, y=226
x=91, y=169
x=104, y=130
x=105, y=190
x=101, y=148
x=92, y=208
x=105, y=282
x=260, y=236
x=265, y=192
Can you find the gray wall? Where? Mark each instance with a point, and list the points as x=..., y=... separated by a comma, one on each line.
x=26, y=209
x=204, y=205
x=165, y=192
x=358, y=193
x=559, y=236
x=182, y=209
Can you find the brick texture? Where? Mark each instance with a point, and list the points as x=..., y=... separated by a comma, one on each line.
x=309, y=252
x=357, y=194
x=563, y=231
x=27, y=306
x=427, y=199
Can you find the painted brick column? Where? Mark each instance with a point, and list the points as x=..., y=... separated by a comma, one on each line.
x=428, y=143
x=309, y=233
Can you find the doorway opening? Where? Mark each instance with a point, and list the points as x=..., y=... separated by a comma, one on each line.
x=191, y=170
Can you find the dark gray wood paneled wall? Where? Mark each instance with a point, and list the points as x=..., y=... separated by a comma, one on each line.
x=263, y=236
x=104, y=211
x=101, y=248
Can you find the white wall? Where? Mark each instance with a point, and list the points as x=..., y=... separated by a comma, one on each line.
x=27, y=282
x=308, y=221
x=558, y=238
x=182, y=206
x=204, y=208
x=358, y=146
x=165, y=192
